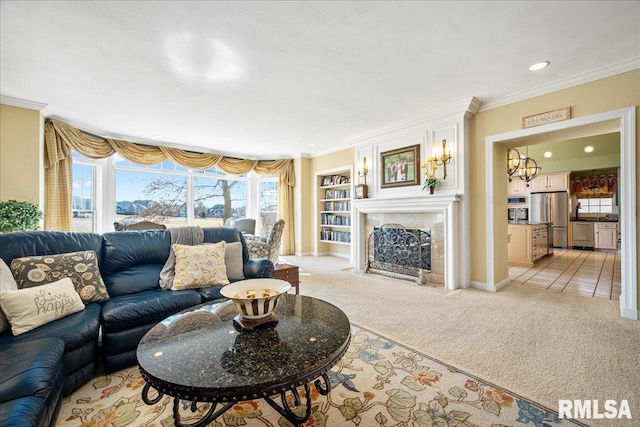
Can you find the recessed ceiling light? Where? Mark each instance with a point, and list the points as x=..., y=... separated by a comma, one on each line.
x=312, y=144
x=539, y=65
x=588, y=149
x=548, y=154
x=158, y=136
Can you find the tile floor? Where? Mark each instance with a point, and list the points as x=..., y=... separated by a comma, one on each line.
x=588, y=273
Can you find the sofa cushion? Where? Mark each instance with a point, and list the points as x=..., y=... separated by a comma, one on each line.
x=75, y=330
x=123, y=251
x=7, y=283
x=30, y=308
x=229, y=235
x=29, y=368
x=28, y=243
x=199, y=266
x=128, y=311
x=135, y=279
x=210, y=293
x=233, y=261
x=81, y=267
x=30, y=382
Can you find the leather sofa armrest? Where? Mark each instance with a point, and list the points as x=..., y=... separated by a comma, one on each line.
x=258, y=268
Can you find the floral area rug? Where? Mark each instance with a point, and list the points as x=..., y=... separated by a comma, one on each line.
x=378, y=383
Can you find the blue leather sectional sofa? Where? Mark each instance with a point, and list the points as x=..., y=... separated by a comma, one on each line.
x=38, y=367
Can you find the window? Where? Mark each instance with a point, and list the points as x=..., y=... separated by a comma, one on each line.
x=157, y=197
x=166, y=193
x=215, y=200
x=175, y=196
x=268, y=203
x=604, y=205
x=83, y=202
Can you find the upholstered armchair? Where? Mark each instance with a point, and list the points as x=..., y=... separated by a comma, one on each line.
x=271, y=248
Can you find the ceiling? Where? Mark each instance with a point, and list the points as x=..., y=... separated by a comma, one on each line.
x=572, y=149
x=283, y=79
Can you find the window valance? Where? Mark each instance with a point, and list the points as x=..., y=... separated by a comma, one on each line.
x=595, y=186
x=61, y=138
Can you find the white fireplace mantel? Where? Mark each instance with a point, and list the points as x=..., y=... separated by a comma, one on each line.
x=447, y=204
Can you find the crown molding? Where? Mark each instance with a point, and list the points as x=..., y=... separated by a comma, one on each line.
x=328, y=151
x=587, y=77
x=22, y=103
x=466, y=107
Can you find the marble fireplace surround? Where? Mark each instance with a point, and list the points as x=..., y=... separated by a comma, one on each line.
x=438, y=212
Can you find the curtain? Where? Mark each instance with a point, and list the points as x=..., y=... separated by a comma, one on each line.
x=594, y=186
x=61, y=138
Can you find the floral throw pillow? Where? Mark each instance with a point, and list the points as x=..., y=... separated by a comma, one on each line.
x=199, y=266
x=81, y=267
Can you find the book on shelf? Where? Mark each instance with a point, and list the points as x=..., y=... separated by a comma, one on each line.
x=337, y=194
x=338, y=206
x=335, y=236
x=328, y=180
x=332, y=219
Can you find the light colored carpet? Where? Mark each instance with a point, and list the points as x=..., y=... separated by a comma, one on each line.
x=378, y=382
x=540, y=344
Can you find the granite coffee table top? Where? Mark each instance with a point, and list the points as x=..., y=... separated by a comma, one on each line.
x=200, y=354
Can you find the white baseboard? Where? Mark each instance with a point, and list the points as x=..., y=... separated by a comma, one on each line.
x=302, y=254
x=629, y=313
x=490, y=287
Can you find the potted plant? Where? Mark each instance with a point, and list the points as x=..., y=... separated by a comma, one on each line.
x=430, y=180
x=18, y=216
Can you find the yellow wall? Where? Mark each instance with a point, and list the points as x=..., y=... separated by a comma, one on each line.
x=21, y=155
x=302, y=202
x=612, y=93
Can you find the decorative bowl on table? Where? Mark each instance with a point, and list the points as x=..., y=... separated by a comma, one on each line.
x=255, y=299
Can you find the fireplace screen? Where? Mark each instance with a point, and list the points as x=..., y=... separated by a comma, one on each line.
x=395, y=249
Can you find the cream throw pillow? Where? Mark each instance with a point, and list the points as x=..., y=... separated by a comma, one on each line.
x=7, y=283
x=233, y=261
x=29, y=308
x=199, y=266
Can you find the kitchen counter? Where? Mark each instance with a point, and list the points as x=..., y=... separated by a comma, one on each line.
x=592, y=220
x=528, y=223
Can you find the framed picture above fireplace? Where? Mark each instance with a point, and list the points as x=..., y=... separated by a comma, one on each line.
x=400, y=167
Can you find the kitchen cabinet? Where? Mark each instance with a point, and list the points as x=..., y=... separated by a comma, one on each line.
x=550, y=182
x=519, y=245
x=517, y=186
x=527, y=243
x=539, y=241
x=606, y=235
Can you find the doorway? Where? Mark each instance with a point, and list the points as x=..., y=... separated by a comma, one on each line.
x=622, y=121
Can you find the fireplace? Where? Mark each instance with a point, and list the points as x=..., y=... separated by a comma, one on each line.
x=436, y=214
x=397, y=251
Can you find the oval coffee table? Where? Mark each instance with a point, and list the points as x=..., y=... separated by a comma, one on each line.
x=201, y=355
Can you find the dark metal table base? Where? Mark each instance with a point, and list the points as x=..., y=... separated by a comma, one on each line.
x=285, y=410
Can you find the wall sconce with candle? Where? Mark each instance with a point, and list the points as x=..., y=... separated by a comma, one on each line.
x=360, y=190
x=444, y=159
x=362, y=172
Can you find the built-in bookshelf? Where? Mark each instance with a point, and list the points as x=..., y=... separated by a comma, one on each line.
x=335, y=207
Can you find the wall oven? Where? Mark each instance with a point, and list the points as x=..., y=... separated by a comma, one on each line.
x=518, y=200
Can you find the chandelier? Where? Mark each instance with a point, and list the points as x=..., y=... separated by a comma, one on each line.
x=514, y=158
x=529, y=168
x=524, y=166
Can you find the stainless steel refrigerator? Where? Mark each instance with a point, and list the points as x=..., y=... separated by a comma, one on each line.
x=553, y=208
